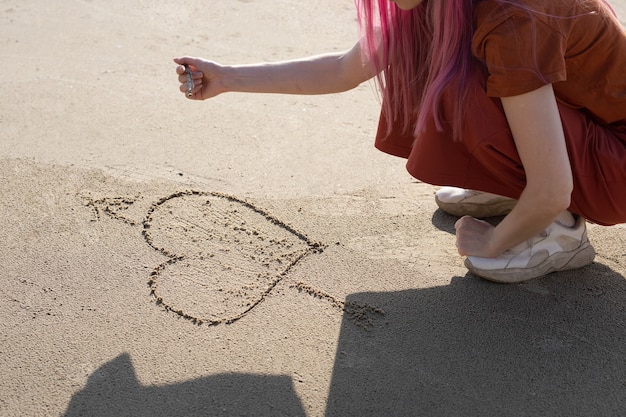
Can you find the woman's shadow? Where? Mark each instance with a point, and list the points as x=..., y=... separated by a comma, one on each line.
x=554, y=346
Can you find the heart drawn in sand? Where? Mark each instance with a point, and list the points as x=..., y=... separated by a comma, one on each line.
x=224, y=253
x=224, y=256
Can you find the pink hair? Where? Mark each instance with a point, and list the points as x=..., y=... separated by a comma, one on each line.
x=418, y=53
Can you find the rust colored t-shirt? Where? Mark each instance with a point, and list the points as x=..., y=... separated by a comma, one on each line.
x=578, y=46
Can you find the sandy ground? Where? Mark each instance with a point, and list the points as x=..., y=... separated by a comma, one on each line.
x=253, y=255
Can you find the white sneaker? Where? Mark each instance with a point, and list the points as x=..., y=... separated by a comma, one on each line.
x=557, y=248
x=461, y=202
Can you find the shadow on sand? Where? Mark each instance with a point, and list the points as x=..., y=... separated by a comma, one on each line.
x=113, y=390
x=551, y=347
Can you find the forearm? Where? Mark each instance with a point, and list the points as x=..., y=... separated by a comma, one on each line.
x=322, y=74
x=531, y=215
x=540, y=141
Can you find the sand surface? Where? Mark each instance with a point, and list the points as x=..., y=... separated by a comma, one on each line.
x=253, y=254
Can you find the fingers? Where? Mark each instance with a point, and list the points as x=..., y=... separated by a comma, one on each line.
x=183, y=78
x=459, y=227
x=463, y=221
x=472, y=236
x=186, y=60
x=469, y=221
x=196, y=90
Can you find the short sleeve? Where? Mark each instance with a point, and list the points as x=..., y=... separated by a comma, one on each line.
x=521, y=52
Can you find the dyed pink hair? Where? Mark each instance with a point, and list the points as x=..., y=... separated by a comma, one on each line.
x=418, y=53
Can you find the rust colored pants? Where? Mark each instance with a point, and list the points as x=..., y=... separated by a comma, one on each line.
x=486, y=158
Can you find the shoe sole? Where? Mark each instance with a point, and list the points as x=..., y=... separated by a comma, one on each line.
x=480, y=211
x=561, y=261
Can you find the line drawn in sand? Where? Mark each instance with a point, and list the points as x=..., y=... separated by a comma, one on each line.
x=225, y=256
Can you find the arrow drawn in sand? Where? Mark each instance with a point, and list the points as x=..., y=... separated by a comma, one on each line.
x=224, y=256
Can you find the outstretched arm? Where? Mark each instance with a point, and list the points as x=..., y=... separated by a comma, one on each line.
x=321, y=74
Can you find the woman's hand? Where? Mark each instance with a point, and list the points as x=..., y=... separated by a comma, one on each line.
x=205, y=75
x=473, y=237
